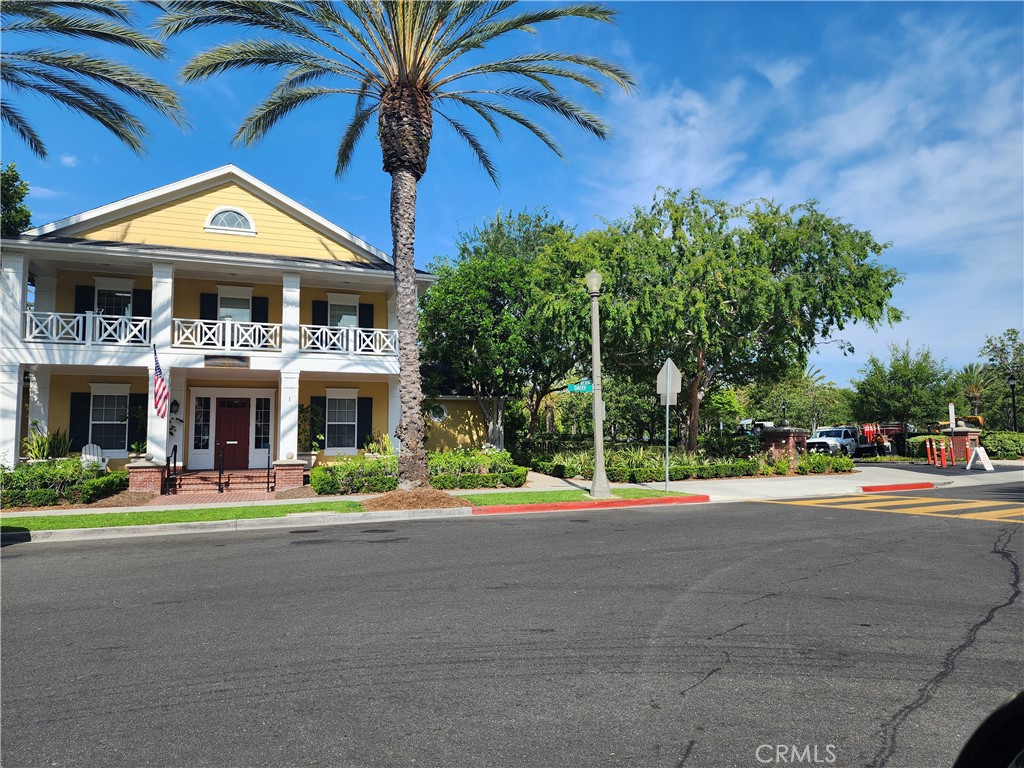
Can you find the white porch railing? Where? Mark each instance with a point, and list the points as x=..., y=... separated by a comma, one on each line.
x=226, y=335
x=88, y=328
x=356, y=341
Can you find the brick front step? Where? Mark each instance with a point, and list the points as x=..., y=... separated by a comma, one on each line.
x=234, y=480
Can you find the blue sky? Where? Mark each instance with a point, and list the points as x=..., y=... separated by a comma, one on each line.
x=903, y=118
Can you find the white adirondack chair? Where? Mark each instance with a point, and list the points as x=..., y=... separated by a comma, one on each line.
x=93, y=454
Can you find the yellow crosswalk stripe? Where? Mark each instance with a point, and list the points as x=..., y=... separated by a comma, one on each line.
x=990, y=511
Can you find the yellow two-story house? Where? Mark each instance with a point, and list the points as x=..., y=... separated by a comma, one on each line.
x=254, y=304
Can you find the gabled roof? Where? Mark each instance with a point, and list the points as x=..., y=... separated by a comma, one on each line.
x=228, y=173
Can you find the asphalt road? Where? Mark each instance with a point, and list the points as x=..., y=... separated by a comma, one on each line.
x=700, y=635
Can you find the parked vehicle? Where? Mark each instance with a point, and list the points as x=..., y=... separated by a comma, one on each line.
x=834, y=440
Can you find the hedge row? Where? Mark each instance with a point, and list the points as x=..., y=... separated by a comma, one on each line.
x=807, y=463
x=1003, y=445
x=49, y=483
x=380, y=475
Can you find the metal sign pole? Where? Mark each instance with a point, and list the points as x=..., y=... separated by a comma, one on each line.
x=666, y=443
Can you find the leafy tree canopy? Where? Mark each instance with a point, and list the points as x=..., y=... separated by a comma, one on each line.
x=483, y=319
x=912, y=388
x=1006, y=353
x=732, y=294
x=16, y=215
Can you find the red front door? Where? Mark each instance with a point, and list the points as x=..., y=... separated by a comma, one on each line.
x=233, y=431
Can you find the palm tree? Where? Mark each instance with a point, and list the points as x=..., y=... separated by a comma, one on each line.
x=974, y=380
x=399, y=60
x=81, y=82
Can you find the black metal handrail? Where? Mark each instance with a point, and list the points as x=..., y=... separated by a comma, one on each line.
x=269, y=489
x=220, y=468
x=171, y=473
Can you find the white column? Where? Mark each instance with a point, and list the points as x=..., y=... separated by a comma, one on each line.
x=13, y=287
x=39, y=400
x=394, y=409
x=290, y=291
x=10, y=414
x=46, y=294
x=392, y=313
x=288, y=429
x=156, y=427
x=163, y=306
x=177, y=420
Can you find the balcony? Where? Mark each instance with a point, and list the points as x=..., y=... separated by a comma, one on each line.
x=222, y=336
x=226, y=335
x=88, y=328
x=354, y=341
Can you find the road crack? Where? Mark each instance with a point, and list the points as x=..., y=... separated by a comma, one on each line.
x=890, y=730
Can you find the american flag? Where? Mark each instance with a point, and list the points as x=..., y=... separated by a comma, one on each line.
x=159, y=388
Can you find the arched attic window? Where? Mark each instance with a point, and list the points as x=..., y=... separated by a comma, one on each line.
x=230, y=221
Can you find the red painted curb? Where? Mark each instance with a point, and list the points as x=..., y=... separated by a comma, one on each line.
x=897, y=487
x=506, y=509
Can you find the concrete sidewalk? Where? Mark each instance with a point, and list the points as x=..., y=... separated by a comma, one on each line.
x=718, y=490
x=871, y=476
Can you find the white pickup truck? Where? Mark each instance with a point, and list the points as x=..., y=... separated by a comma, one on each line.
x=834, y=440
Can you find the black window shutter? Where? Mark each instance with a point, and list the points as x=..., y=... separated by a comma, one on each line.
x=364, y=418
x=138, y=417
x=260, y=309
x=142, y=302
x=366, y=315
x=78, y=427
x=319, y=313
x=85, y=299
x=318, y=420
x=207, y=306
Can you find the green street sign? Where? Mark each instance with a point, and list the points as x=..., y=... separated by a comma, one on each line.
x=583, y=385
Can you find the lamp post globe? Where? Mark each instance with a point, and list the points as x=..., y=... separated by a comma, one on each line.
x=599, y=488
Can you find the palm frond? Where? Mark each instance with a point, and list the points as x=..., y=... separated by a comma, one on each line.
x=350, y=139
x=279, y=104
x=261, y=54
x=17, y=123
x=92, y=29
x=475, y=145
x=509, y=114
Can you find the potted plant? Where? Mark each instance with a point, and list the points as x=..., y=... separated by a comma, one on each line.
x=311, y=437
x=137, y=450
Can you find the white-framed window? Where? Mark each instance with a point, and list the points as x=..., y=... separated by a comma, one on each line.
x=234, y=302
x=340, y=421
x=230, y=221
x=114, y=296
x=201, y=424
x=342, y=310
x=437, y=412
x=108, y=417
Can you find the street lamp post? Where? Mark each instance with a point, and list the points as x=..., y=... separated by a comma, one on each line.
x=599, y=485
x=1013, y=400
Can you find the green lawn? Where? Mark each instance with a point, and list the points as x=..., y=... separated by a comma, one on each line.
x=61, y=522
x=554, y=497
x=155, y=517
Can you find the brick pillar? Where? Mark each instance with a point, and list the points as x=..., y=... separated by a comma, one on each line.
x=146, y=477
x=288, y=474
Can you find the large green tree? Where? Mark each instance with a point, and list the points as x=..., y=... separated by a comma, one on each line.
x=82, y=82
x=911, y=388
x=811, y=400
x=16, y=215
x=732, y=294
x=482, y=322
x=1005, y=356
x=401, y=62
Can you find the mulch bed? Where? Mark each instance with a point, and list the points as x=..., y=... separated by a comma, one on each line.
x=421, y=498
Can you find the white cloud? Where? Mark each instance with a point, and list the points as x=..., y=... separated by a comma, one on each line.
x=42, y=193
x=781, y=72
x=68, y=161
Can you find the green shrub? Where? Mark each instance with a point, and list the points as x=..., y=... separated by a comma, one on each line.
x=62, y=476
x=445, y=482
x=822, y=464
x=97, y=488
x=782, y=465
x=379, y=484
x=617, y=474
x=514, y=478
x=1003, y=445
x=323, y=481
x=648, y=474
x=728, y=446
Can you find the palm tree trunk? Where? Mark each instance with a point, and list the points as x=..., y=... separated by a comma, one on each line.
x=412, y=460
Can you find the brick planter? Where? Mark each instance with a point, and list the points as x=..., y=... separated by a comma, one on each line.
x=145, y=477
x=288, y=474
